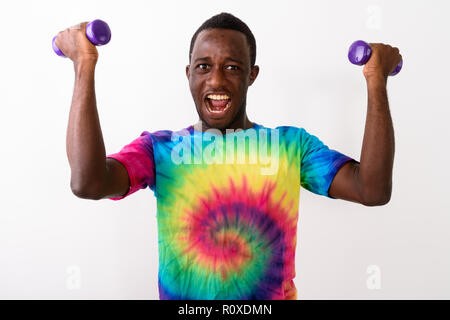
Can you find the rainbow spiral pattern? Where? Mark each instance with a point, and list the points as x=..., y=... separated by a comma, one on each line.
x=226, y=231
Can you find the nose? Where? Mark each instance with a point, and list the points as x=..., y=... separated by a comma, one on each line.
x=216, y=78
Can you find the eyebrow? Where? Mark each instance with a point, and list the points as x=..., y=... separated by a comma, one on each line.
x=227, y=58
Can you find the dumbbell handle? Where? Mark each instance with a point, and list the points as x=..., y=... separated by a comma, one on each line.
x=359, y=53
x=97, y=31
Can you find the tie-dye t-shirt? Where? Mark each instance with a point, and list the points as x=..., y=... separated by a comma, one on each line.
x=227, y=206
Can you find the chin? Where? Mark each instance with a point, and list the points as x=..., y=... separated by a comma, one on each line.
x=217, y=123
x=220, y=124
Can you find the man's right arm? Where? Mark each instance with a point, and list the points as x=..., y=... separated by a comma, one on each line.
x=93, y=176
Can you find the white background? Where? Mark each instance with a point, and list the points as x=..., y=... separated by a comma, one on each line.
x=54, y=245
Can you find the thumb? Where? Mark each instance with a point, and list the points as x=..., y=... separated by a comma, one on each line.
x=79, y=26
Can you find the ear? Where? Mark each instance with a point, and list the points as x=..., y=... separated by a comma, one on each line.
x=188, y=71
x=253, y=74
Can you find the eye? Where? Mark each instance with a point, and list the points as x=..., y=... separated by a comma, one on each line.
x=233, y=67
x=202, y=66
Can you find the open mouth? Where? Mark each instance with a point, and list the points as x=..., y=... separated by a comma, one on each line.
x=217, y=105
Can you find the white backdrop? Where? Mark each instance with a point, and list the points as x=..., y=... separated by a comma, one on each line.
x=54, y=245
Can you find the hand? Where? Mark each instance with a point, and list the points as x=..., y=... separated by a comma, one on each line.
x=383, y=61
x=75, y=45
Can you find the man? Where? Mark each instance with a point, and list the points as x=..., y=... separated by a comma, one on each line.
x=227, y=215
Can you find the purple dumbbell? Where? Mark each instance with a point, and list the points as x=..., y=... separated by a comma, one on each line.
x=97, y=32
x=359, y=53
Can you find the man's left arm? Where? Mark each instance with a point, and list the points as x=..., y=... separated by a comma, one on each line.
x=369, y=182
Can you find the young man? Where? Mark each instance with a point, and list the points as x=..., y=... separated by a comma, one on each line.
x=227, y=199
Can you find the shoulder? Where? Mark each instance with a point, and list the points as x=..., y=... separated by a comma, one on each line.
x=161, y=136
x=291, y=132
x=298, y=137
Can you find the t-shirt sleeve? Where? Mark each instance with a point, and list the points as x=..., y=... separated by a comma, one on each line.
x=319, y=164
x=137, y=158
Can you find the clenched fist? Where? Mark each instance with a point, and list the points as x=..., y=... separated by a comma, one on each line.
x=383, y=61
x=75, y=45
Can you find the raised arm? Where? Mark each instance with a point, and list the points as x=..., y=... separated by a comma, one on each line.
x=93, y=176
x=370, y=181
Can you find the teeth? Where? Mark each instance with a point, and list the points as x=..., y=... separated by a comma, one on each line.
x=218, y=97
x=219, y=111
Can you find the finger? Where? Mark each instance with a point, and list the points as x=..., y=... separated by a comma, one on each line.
x=58, y=37
x=83, y=25
x=79, y=26
x=375, y=46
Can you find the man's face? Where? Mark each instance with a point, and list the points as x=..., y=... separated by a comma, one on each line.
x=219, y=75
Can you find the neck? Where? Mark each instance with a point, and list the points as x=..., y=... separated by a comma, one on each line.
x=242, y=123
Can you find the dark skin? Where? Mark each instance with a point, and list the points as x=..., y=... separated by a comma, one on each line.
x=370, y=181
x=93, y=176
x=220, y=63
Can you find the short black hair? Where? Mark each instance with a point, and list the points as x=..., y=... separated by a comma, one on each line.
x=226, y=20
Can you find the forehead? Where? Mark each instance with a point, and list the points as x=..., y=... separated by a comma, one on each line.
x=221, y=42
